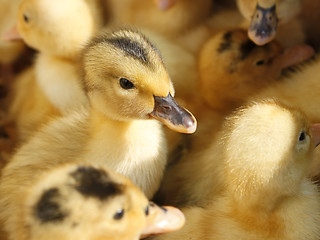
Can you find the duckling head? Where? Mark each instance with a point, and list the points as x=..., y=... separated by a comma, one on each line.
x=231, y=67
x=265, y=15
x=56, y=27
x=86, y=202
x=268, y=149
x=126, y=78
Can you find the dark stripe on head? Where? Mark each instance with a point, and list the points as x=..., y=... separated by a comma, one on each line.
x=226, y=44
x=246, y=48
x=96, y=183
x=47, y=209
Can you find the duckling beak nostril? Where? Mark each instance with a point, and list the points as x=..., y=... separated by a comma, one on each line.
x=315, y=133
x=162, y=221
x=177, y=118
x=12, y=35
x=263, y=25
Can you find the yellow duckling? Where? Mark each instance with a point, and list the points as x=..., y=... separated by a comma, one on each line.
x=58, y=30
x=266, y=15
x=127, y=85
x=266, y=152
x=87, y=203
x=231, y=70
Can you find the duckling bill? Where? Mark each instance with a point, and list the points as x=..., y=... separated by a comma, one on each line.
x=263, y=25
x=177, y=118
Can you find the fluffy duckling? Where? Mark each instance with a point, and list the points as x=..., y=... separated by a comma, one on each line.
x=58, y=30
x=231, y=70
x=266, y=153
x=127, y=85
x=86, y=203
x=265, y=15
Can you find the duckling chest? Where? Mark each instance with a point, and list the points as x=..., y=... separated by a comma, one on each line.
x=121, y=148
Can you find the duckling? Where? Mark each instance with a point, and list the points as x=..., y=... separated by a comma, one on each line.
x=87, y=202
x=231, y=70
x=266, y=152
x=266, y=15
x=57, y=82
x=231, y=67
x=128, y=87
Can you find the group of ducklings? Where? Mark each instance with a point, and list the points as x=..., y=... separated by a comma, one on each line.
x=238, y=150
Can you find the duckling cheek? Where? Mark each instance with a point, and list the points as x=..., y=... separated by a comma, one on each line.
x=263, y=25
x=177, y=118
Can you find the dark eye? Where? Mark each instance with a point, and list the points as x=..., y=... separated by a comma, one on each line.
x=302, y=136
x=260, y=62
x=25, y=18
x=119, y=214
x=147, y=211
x=126, y=84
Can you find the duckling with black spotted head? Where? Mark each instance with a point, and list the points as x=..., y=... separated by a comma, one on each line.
x=90, y=203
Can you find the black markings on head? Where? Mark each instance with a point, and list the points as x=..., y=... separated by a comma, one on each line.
x=127, y=41
x=95, y=183
x=246, y=48
x=48, y=209
x=226, y=44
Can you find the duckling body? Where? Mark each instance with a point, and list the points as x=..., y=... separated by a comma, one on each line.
x=265, y=16
x=231, y=70
x=266, y=151
x=111, y=207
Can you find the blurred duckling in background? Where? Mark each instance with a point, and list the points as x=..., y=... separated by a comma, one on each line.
x=87, y=203
x=266, y=15
x=58, y=30
x=128, y=86
x=265, y=153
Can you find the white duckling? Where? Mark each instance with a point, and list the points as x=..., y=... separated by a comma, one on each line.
x=266, y=15
x=127, y=84
x=266, y=152
x=86, y=203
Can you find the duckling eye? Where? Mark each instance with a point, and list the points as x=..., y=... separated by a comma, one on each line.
x=119, y=214
x=260, y=62
x=147, y=211
x=25, y=18
x=302, y=137
x=126, y=84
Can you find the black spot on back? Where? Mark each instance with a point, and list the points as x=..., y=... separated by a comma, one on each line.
x=47, y=209
x=226, y=44
x=96, y=183
x=246, y=48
